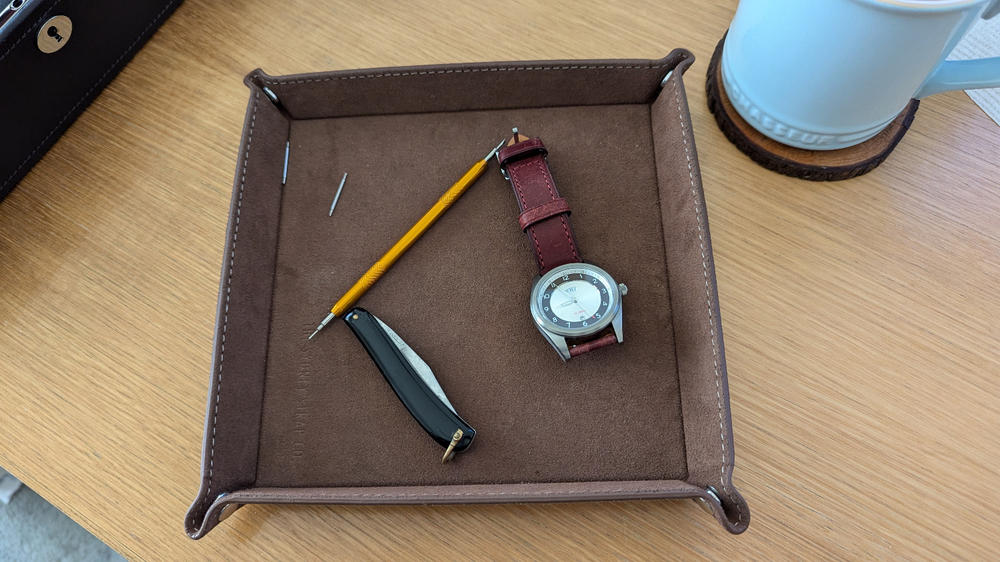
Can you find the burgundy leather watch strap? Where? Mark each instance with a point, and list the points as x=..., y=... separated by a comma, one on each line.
x=544, y=214
x=605, y=340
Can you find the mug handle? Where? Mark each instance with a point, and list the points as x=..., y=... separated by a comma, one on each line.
x=964, y=74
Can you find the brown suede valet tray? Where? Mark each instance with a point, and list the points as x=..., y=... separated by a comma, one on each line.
x=293, y=420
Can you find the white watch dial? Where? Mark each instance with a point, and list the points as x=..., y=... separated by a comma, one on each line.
x=576, y=297
x=575, y=300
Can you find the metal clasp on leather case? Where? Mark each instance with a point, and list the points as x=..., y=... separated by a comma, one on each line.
x=54, y=34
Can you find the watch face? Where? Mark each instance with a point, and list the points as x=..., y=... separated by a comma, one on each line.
x=575, y=299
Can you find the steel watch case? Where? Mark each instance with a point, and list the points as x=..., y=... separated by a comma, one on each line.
x=557, y=335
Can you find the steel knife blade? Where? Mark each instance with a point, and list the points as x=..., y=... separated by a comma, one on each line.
x=424, y=370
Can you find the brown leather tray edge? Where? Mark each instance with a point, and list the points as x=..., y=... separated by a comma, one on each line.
x=228, y=480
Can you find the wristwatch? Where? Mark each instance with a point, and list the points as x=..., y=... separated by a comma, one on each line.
x=576, y=305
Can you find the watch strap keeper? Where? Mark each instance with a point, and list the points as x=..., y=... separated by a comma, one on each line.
x=541, y=212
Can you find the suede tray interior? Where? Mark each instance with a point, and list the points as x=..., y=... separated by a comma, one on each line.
x=459, y=298
x=286, y=412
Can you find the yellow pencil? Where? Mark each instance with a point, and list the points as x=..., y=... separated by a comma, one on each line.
x=399, y=248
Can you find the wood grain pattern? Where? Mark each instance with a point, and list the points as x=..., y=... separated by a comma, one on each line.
x=860, y=319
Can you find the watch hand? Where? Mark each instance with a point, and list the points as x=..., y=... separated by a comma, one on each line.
x=565, y=293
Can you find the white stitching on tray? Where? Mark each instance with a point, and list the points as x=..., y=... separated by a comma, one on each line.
x=229, y=285
x=708, y=297
x=465, y=70
x=87, y=93
x=543, y=493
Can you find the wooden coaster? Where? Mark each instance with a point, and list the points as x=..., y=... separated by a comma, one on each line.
x=815, y=165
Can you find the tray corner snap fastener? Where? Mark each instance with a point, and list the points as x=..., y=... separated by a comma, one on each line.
x=54, y=34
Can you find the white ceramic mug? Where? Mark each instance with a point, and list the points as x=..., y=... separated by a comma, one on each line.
x=828, y=74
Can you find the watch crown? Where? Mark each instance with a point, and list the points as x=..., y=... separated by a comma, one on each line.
x=623, y=289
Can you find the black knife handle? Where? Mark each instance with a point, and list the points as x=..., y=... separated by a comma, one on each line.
x=431, y=413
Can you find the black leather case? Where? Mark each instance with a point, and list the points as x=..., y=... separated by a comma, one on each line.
x=41, y=93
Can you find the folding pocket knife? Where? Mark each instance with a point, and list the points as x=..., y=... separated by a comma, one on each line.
x=413, y=382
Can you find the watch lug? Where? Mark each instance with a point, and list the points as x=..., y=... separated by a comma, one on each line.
x=558, y=342
x=617, y=325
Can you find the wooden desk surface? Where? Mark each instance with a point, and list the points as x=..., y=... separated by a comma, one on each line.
x=860, y=317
